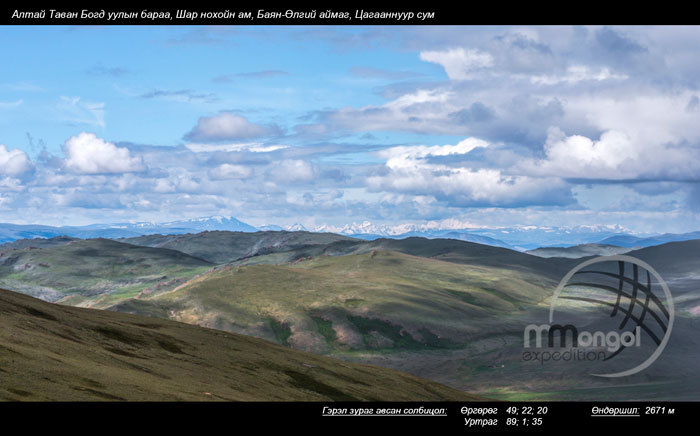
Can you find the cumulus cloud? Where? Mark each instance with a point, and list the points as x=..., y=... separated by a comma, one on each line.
x=227, y=126
x=459, y=63
x=574, y=125
x=465, y=187
x=292, y=170
x=422, y=111
x=13, y=162
x=11, y=184
x=408, y=156
x=450, y=110
x=614, y=156
x=230, y=171
x=410, y=171
x=88, y=154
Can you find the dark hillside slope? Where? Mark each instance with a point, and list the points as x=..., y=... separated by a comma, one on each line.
x=50, y=352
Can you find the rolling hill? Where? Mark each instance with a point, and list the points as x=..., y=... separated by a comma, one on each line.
x=380, y=300
x=21, y=244
x=50, y=352
x=224, y=246
x=676, y=262
x=446, y=310
x=273, y=247
x=635, y=241
x=579, y=251
x=101, y=269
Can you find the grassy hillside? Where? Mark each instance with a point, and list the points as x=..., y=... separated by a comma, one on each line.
x=223, y=247
x=451, y=311
x=57, y=353
x=448, y=250
x=21, y=244
x=674, y=259
x=579, y=251
x=283, y=247
x=377, y=300
x=97, y=270
x=447, y=310
x=470, y=253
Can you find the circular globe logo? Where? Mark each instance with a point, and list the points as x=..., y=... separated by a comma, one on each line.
x=616, y=310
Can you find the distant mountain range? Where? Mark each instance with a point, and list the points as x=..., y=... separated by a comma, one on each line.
x=522, y=238
x=13, y=232
x=519, y=238
x=634, y=241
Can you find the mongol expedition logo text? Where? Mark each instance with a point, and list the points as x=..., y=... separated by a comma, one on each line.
x=639, y=319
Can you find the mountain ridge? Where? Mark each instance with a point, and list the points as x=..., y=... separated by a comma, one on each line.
x=520, y=238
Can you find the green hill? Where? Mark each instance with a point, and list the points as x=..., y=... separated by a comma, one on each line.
x=471, y=253
x=279, y=247
x=94, y=269
x=50, y=352
x=21, y=244
x=223, y=247
x=579, y=251
x=449, y=250
x=377, y=300
x=446, y=310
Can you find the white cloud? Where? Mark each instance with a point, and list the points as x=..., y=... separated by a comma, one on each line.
x=292, y=170
x=410, y=172
x=255, y=147
x=226, y=126
x=180, y=181
x=13, y=162
x=577, y=73
x=88, y=154
x=459, y=64
x=229, y=171
x=407, y=156
x=419, y=111
x=163, y=186
x=614, y=156
x=11, y=184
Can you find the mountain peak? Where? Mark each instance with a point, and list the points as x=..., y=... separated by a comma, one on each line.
x=296, y=227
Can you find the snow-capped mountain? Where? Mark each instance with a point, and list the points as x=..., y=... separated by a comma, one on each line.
x=296, y=227
x=369, y=228
x=12, y=232
x=516, y=237
x=271, y=228
x=520, y=237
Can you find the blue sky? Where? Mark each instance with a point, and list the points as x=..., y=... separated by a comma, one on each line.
x=456, y=126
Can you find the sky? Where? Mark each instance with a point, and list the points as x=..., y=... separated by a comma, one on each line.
x=456, y=125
